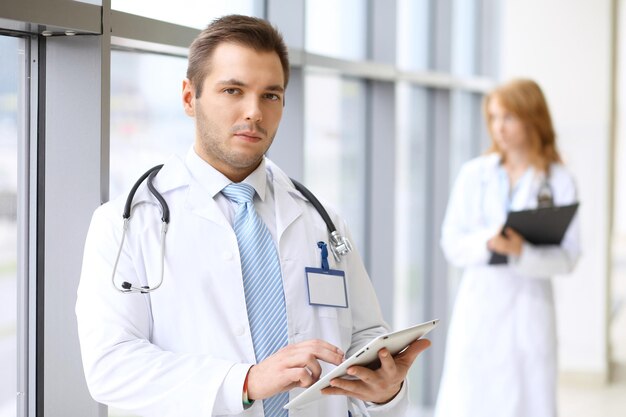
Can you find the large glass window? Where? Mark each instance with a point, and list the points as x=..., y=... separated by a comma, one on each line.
x=9, y=82
x=193, y=13
x=412, y=168
x=336, y=28
x=335, y=146
x=466, y=142
x=465, y=32
x=148, y=123
x=466, y=129
x=414, y=34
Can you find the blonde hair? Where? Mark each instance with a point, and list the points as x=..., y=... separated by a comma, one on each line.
x=526, y=101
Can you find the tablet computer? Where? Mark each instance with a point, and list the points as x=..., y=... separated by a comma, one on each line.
x=395, y=342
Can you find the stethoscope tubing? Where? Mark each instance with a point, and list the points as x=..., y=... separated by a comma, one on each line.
x=340, y=246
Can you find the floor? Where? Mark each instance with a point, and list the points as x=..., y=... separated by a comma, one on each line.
x=607, y=401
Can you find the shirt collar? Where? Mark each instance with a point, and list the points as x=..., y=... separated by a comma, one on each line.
x=214, y=181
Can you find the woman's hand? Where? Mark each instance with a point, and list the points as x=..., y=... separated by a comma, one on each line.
x=509, y=244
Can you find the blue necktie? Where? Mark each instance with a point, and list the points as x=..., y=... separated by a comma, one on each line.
x=262, y=283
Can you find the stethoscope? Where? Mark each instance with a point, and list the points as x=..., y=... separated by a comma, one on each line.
x=544, y=194
x=339, y=245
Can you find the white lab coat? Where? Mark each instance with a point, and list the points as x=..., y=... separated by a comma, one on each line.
x=184, y=350
x=501, y=348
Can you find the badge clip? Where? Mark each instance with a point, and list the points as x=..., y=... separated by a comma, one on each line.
x=324, y=249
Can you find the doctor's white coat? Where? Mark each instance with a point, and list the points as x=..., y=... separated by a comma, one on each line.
x=501, y=347
x=184, y=349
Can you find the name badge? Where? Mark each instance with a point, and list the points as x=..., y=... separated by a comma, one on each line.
x=327, y=287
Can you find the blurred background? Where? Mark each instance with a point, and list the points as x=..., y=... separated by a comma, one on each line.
x=383, y=107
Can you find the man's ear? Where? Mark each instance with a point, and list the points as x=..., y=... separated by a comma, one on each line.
x=189, y=97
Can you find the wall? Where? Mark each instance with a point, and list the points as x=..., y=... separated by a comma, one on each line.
x=566, y=46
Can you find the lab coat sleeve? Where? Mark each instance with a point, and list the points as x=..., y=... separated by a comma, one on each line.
x=122, y=367
x=396, y=407
x=463, y=240
x=545, y=261
x=368, y=323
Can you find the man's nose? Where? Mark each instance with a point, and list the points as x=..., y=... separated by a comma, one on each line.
x=253, y=111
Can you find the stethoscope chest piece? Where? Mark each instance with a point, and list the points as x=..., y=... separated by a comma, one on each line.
x=544, y=195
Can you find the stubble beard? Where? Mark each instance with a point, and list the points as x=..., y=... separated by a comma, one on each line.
x=215, y=147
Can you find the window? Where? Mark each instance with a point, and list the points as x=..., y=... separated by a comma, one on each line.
x=9, y=82
x=412, y=168
x=336, y=28
x=465, y=46
x=335, y=147
x=148, y=123
x=466, y=130
x=414, y=34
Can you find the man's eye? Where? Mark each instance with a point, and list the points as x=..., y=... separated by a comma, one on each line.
x=231, y=91
x=273, y=97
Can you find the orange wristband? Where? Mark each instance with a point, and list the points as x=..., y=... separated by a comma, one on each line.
x=246, y=402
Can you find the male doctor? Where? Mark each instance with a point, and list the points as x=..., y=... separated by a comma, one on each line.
x=197, y=346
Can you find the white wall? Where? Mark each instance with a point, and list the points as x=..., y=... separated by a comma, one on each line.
x=565, y=45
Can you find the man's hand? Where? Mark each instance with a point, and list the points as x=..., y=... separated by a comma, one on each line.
x=509, y=244
x=382, y=385
x=292, y=366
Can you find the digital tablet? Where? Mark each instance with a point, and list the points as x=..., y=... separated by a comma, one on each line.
x=395, y=342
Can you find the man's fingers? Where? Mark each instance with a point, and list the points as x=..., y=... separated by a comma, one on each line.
x=300, y=377
x=408, y=356
x=321, y=350
x=345, y=387
x=295, y=365
x=305, y=361
x=387, y=362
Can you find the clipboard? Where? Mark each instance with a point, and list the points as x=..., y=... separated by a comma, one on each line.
x=541, y=226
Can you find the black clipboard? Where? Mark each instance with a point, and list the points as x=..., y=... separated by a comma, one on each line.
x=542, y=226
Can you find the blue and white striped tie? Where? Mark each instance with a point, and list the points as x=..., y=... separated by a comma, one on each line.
x=262, y=283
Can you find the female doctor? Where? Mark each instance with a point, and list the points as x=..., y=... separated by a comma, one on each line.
x=501, y=349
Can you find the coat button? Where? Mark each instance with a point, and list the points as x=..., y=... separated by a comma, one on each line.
x=227, y=256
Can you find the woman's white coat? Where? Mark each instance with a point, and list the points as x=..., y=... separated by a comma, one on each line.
x=501, y=346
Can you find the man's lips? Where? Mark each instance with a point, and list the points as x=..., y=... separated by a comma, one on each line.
x=249, y=135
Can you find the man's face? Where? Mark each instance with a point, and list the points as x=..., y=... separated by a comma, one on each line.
x=238, y=113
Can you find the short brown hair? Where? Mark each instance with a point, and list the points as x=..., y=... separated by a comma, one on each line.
x=524, y=98
x=247, y=31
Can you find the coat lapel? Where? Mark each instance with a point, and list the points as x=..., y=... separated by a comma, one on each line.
x=285, y=199
x=175, y=174
x=200, y=203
